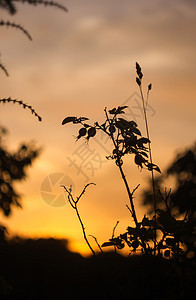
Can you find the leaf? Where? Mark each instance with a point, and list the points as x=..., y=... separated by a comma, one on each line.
x=122, y=107
x=144, y=153
x=157, y=169
x=124, y=122
x=136, y=130
x=133, y=150
x=139, y=160
x=118, y=110
x=112, y=111
x=154, y=167
x=144, y=140
x=68, y=120
x=107, y=244
x=81, y=119
x=133, y=123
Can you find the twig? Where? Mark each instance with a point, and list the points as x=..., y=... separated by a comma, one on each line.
x=4, y=69
x=74, y=204
x=129, y=209
x=46, y=3
x=20, y=102
x=165, y=200
x=96, y=242
x=17, y=26
x=132, y=197
x=113, y=232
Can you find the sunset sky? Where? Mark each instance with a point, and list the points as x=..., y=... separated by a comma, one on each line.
x=77, y=64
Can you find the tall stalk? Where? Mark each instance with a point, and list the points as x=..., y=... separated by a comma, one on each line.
x=139, y=81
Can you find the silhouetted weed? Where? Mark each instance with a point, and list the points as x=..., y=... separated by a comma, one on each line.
x=162, y=234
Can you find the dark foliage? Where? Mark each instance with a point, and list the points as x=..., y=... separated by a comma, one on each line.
x=183, y=196
x=176, y=238
x=45, y=269
x=13, y=167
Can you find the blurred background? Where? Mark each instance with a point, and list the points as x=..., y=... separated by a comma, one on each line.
x=77, y=64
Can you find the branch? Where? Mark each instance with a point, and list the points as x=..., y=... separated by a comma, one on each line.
x=83, y=229
x=135, y=189
x=46, y=3
x=113, y=232
x=4, y=69
x=20, y=102
x=9, y=24
x=78, y=198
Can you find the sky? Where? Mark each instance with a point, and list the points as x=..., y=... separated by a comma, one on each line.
x=77, y=64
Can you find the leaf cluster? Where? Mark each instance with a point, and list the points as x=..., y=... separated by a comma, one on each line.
x=126, y=137
x=175, y=237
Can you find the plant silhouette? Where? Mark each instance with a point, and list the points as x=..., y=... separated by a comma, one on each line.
x=13, y=168
x=183, y=169
x=161, y=234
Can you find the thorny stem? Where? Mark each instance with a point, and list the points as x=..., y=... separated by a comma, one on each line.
x=83, y=229
x=150, y=155
x=123, y=176
x=130, y=194
x=73, y=204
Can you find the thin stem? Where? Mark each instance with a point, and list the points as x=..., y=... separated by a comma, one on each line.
x=82, y=193
x=123, y=176
x=129, y=194
x=150, y=155
x=83, y=229
x=113, y=232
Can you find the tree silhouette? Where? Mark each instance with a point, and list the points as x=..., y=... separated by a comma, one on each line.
x=13, y=168
x=183, y=196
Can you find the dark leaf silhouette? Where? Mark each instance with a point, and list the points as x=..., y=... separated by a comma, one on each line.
x=68, y=120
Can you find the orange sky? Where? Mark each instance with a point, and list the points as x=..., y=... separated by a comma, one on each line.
x=77, y=64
